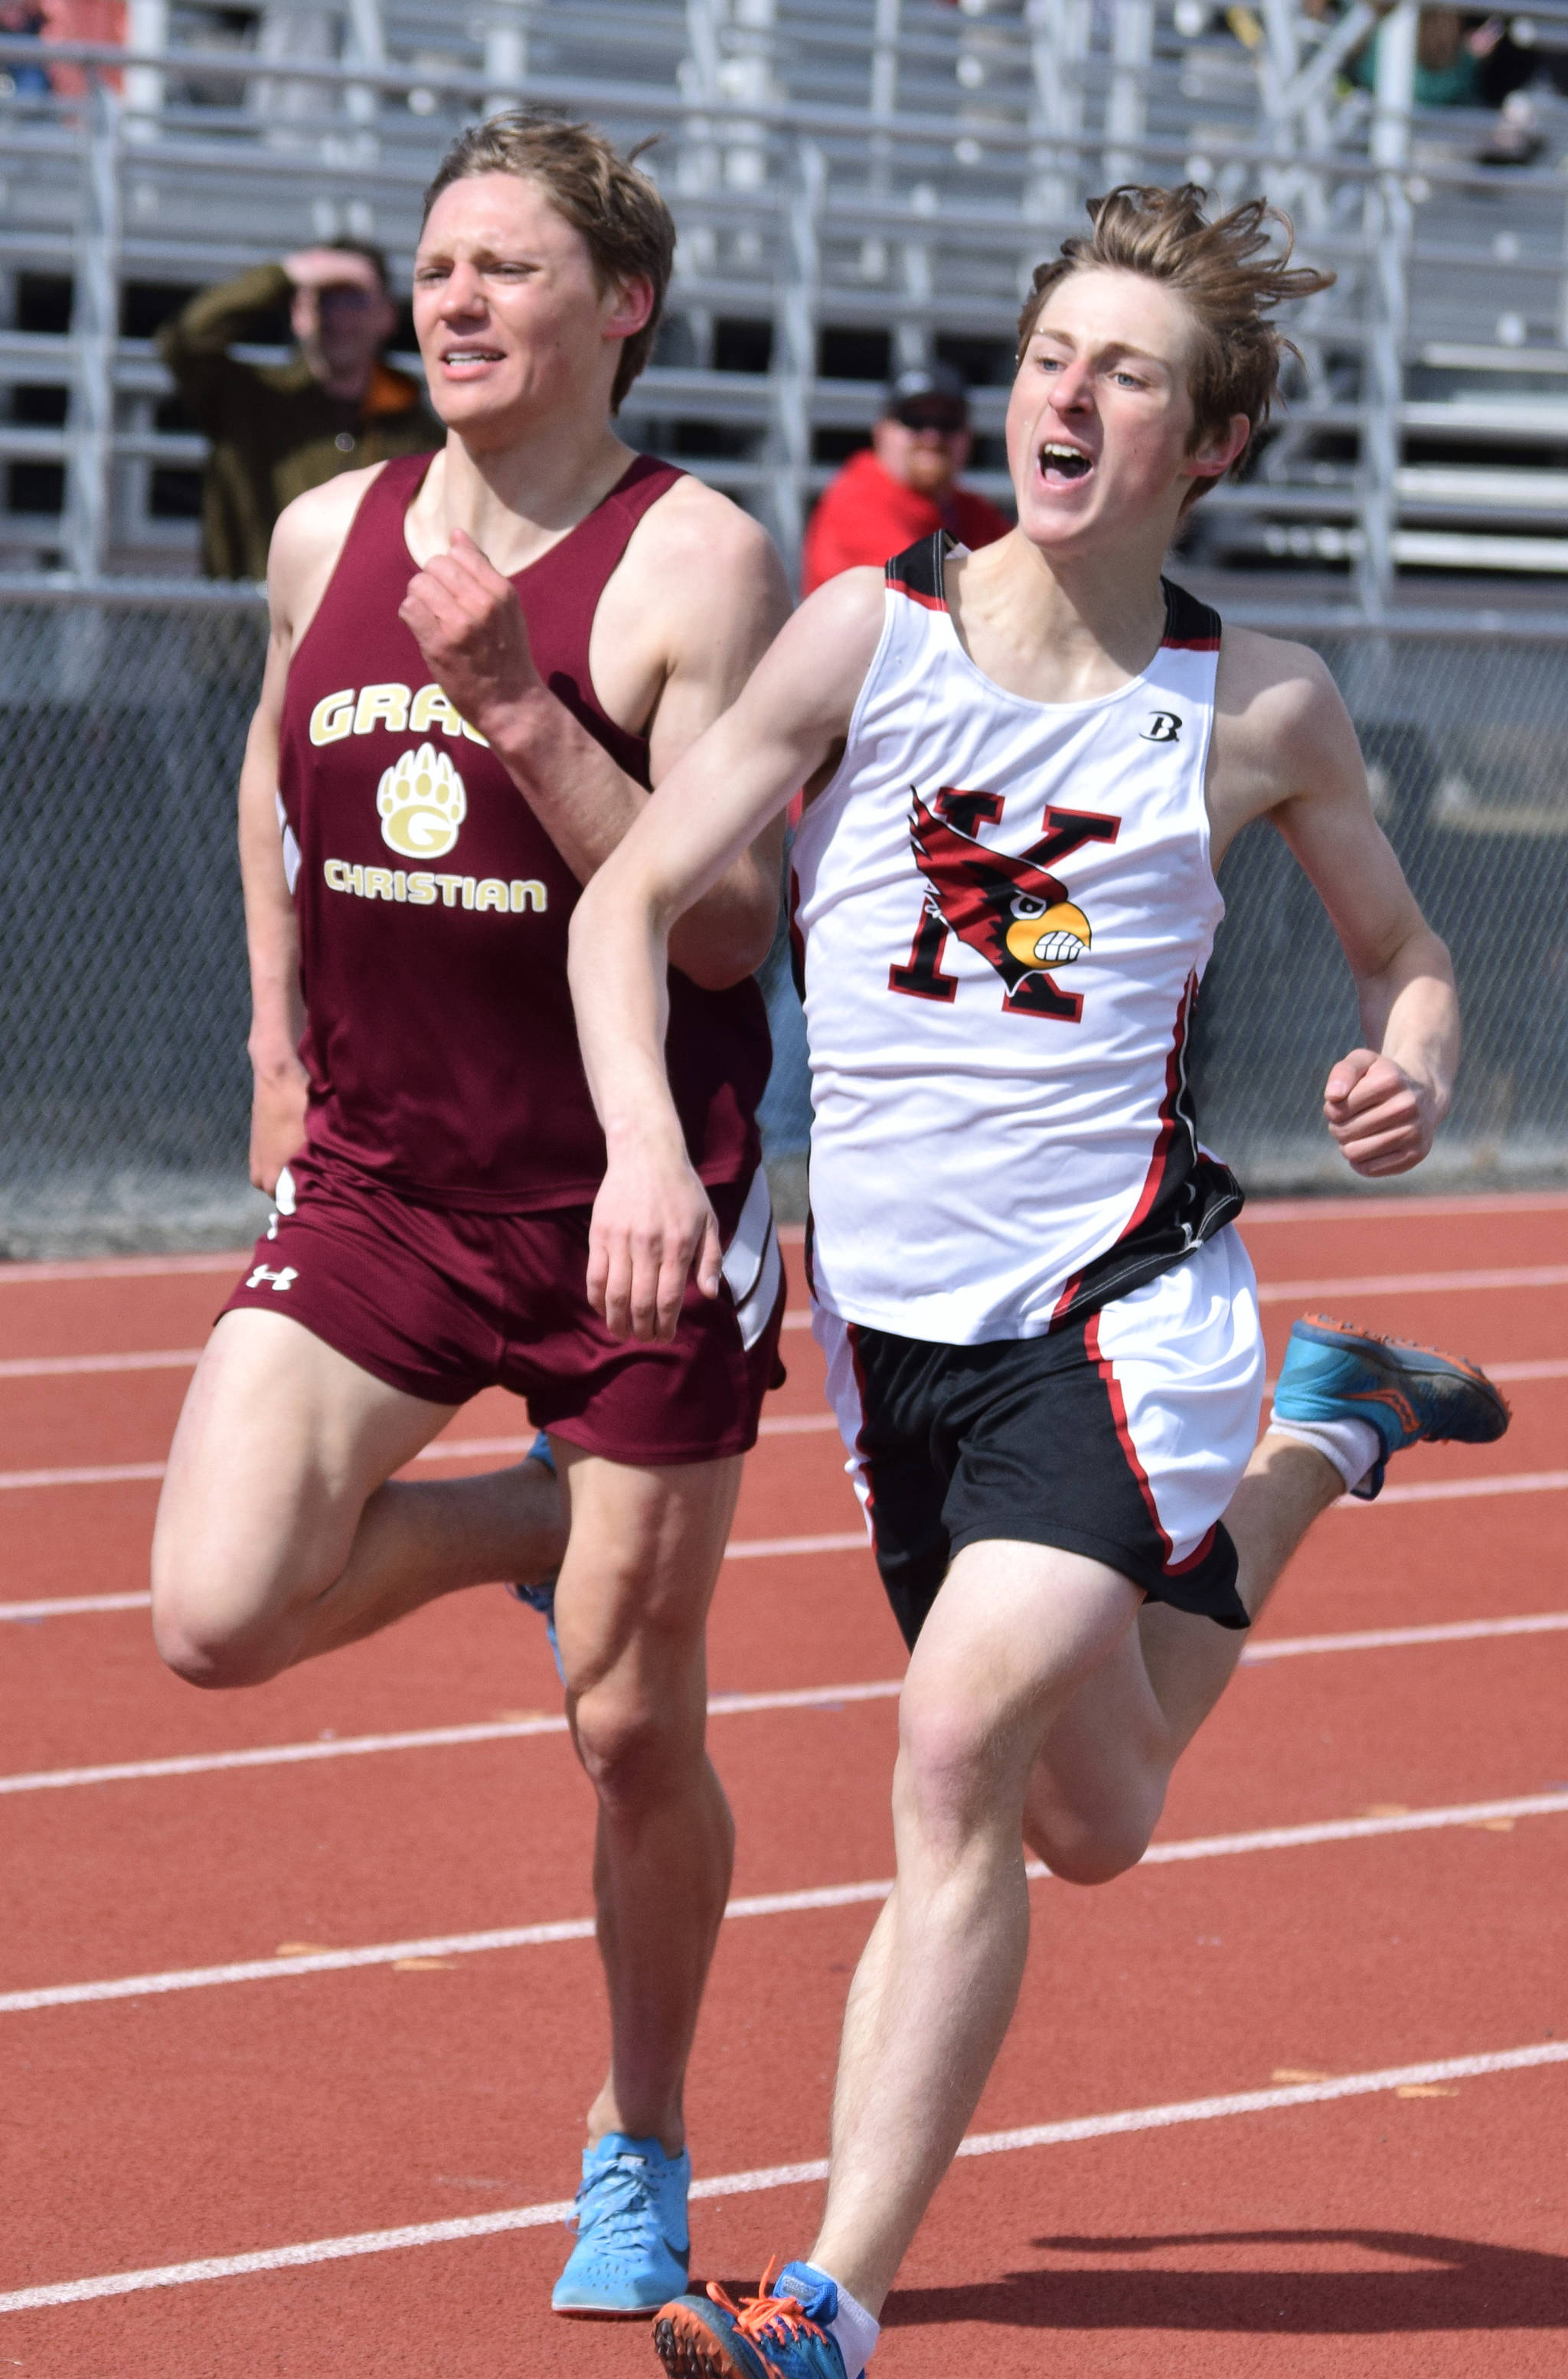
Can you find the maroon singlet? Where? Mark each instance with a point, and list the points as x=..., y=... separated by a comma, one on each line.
x=433, y=906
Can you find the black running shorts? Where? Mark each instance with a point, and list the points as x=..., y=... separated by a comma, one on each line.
x=1121, y=1437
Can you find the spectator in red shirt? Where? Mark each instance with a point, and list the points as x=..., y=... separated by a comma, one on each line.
x=906, y=486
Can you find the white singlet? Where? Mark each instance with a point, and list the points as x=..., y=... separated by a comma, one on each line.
x=1006, y=907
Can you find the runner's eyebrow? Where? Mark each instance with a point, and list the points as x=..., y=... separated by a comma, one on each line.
x=484, y=259
x=1114, y=353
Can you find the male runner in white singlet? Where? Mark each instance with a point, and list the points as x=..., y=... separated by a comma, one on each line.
x=479, y=662
x=1022, y=768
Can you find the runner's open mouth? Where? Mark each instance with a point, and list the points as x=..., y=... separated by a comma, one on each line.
x=1060, y=463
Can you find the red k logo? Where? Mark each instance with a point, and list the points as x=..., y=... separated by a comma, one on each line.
x=1016, y=913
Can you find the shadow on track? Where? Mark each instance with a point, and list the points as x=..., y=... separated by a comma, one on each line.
x=1457, y=2284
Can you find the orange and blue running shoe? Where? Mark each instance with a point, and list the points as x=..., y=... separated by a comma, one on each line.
x=1408, y=1393
x=782, y=2333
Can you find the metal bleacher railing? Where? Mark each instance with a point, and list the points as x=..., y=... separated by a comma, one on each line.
x=857, y=183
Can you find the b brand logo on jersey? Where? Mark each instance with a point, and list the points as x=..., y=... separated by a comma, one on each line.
x=1164, y=728
x=1014, y=912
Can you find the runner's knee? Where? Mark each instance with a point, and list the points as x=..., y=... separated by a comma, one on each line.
x=222, y=1613
x=1094, y=1844
x=633, y=1745
x=952, y=1774
x=201, y=1646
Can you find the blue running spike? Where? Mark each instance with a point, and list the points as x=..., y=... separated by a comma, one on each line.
x=633, y=2245
x=1408, y=1393
x=782, y=2333
x=540, y=1597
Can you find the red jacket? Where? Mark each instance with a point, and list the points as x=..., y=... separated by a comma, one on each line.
x=865, y=515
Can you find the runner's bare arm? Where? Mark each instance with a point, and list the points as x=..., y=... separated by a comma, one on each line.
x=1285, y=747
x=305, y=547
x=711, y=581
x=652, y=1219
x=279, y=1082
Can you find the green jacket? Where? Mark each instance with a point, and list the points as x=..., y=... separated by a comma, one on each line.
x=274, y=430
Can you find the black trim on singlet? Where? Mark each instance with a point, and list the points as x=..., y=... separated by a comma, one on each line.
x=1187, y=1196
x=1192, y=626
x=918, y=571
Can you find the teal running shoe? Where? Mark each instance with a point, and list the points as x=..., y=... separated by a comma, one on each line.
x=633, y=2247
x=782, y=2333
x=540, y=1597
x=1408, y=1393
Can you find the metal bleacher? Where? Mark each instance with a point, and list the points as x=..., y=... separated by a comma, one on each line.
x=857, y=183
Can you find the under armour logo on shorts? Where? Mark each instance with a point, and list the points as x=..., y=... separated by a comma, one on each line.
x=263, y=1274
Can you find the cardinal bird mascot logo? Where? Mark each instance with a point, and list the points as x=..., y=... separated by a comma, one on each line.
x=1014, y=912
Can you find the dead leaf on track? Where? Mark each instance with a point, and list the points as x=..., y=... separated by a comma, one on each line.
x=1426, y=2090
x=303, y=1950
x=423, y=1965
x=1490, y=1825
x=1385, y=1809
x=512, y=1717
x=1298, y=2074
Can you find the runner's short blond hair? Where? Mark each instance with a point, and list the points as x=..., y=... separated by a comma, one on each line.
x=625, y=223
x=1231, y=274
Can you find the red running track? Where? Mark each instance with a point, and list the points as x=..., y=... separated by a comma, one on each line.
x=1313, y=2090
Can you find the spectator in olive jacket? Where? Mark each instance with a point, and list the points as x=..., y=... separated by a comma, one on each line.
x=276, y=431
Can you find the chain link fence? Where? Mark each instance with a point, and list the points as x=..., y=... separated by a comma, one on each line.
x=124, y=1084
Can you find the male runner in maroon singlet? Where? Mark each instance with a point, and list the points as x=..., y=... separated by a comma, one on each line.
x=479, y=663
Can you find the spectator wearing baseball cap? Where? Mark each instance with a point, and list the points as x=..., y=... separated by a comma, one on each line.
x=905, y=485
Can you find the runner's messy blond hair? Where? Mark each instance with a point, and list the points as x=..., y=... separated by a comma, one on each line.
x=1229, y=273
x=625, y=223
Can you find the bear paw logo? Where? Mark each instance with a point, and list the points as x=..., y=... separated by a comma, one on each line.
x=422, y=805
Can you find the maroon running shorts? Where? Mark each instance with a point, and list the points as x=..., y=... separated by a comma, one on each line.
x=440, y=1304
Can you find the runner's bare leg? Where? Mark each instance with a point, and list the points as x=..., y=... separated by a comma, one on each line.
x=1010, y=1637
x=282, y=1534
x=631, y=1610
x=1100, y=1783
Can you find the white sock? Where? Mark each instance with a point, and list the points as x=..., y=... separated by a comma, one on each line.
x=851, y=2328
x=1353, y=1446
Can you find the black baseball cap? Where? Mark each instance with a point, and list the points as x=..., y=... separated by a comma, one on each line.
x=931, y=396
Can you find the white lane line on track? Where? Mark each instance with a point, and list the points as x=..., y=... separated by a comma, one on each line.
x=1434, y=2073
x=160, y=1359
x=443, y=1449
x=1406, y=1208
x=72, y=1606
x=1278, y=1648
x=61, y=1367
x=775, y=1904
x=843, y=1540
x=1371, y=1209
x=87, y=1474
x=22, y=1275
x=1403, y=1284
x=434, y=1738
x=1379, y=1640
x=1451, y=1490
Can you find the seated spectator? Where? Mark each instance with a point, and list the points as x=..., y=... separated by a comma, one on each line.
x=1447, y=60
x=83, y=20
x=22, y=20
x=276, y=431
x=905, y=485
